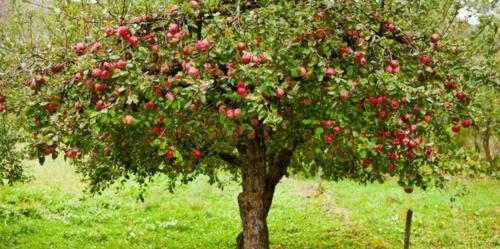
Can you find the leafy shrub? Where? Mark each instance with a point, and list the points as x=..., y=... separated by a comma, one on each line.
x=11, y=166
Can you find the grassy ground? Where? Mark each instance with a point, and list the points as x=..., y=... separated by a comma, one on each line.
x=52, y=212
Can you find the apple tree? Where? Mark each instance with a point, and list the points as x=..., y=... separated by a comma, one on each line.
x=363, y=89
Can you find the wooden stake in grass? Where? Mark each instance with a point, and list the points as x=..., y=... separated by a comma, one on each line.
x=409, y=214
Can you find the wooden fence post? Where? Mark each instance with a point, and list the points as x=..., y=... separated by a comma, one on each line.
x=409, y=214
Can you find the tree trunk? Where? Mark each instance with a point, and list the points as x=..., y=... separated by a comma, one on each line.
x=486, y=145
x=261, y=173
x=477, y=142
x=251, y=201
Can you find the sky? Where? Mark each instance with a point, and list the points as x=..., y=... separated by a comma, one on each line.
x=465, y=14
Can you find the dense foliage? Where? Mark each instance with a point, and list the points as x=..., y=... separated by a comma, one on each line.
x=178, y=91
x=363, y=89
x=11, y=166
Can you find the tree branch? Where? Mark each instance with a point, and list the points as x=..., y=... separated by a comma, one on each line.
x=228, y=158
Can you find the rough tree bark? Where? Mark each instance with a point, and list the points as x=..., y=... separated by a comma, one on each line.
x=486, y=144
x=261, y=173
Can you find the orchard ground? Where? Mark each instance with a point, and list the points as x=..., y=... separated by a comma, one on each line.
x=52, y=212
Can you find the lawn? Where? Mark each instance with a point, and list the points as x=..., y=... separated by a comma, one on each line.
x=52, y=212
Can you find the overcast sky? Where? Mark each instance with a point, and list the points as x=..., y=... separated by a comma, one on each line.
x=465, y=14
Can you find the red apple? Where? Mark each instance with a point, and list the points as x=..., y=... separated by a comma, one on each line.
x=123, y=31
x=194, y=4
x=197, y=153
x=455, y=128
x=246, y=58
x=466, y=123
x=412, y=144
x=321, y=32
x=39, y=79
x=303, y=71
x=101, y=104
x=80, y=47
x=241, y=91
x=382, y=112
x=56, y=68
x=134, y=41
x=242, y=46
x=237, y=112
x=193, y=107
x=158, y=91
x=460, y=95
x=329, y=138
x=107, y=66
x=280, y=92
x=109, y=31
x=396, y=141
x=95, y=47
x=389, y=69
x=96, y=72
x=121, y=64
x=89, y=84
x=229, y=113
x=173, y=28
x=105, y=74
x=174, y=9
x=394, y=104
x=345, y=50
x=362, y=61
x=78, y=106
x=416, y=110
x=100, y=87
x=408, y=190
x=78, y=76
x=170, y=154
x=149, y=38
x=169, y=96
x=434, y=38
x=413, y=128
x=358, y=55
x=400, y=134
x=344, y=95
x=391, y=168
x=70, y=153
x=328, y=124
x=330, y=72
x=425, y=59
x=255, y=122
x=128, y=119
x=380, y=147
x=51, y=108
x=193, y=72
x=155, y=48
x=150, y=105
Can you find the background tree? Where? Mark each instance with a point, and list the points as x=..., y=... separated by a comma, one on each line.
x=481, y=43
x=365, y=90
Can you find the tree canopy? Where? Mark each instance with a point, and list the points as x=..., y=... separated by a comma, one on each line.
x=362, y=89
x=178, y=90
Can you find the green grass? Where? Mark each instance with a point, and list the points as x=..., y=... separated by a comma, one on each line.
x=52, y=212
